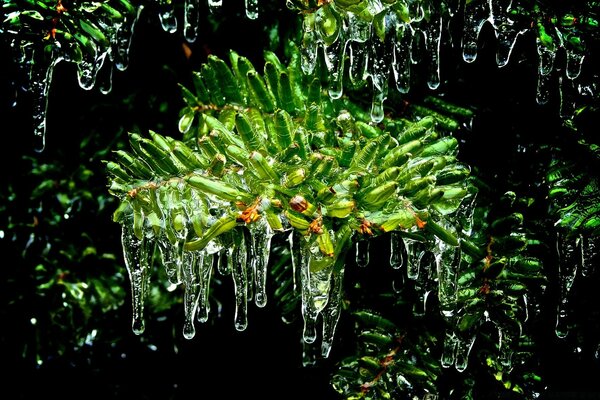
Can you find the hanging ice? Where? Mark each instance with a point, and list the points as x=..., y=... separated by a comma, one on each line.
x=191, y=20
x=463, y=349
x=315, y=272
x=260, y=249
x=331, y=313
x=449, y=350
x=240, y=282
x=362, y=253
x=448, y=266
x=191, y=281
x=396, y=250
x=252, y=9
x=568, y=260
x=589, y=254
x=136, y=255
x=414, y=251
x=476, y=13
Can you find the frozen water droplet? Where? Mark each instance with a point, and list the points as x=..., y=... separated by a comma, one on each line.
x=171, y=255
x=358, y=59
x=379, y=96
x=505, y=30
x=433, y=39
x=447, y=259
x=206, y=267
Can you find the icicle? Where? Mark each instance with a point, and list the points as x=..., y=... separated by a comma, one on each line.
x=414, y=251
x=224, y=261
x=334, y=60
x=379, y=70
x=40, y=79
x=574, y=62
x=546, y=58
x=447, y=258
x=251, y=9
x=166, y=14
x=362, y=253
x=316, y=271
x=424, y=282
x=309, y=46
x=567, y=94
x=567, y=269
x=449, y=351
x=396, y=249
x=476, y=14
x=463, y=349
x=401, y=60
x=122, y=39
x=589, y=254
x=359, y=32
x=331, y=313
x=205, y=273
x=104, y=79
x=137, y=263
x=260, y=249
x=433, y=39
x=191, y=20
x=296, y=255
x=240, y=282
x=171, y=256
x=191, y=295
x=506, y=33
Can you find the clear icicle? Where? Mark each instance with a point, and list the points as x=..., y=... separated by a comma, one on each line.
x=294, y=241
x=240, y=282
x=205, y=271
x=191, y=20
x=414, y=251
x=448, y=264
x=379, y=96
x=331, y=313
x=191, y=280
x=546, y=58
x=315, y=287
x=568, y=260
x=87, y=70
x=251, y=9
x=424, y=283
x=567, y=93
x=309, y=47
x=358, y=60
x=401, y=60
x=359, y=32
x=260, y=249
x=40, y=79
x=224, y=261
x=166, y=14
x=463, y=349
x=506, y=32
x=396, y=250
x=589, y=254
x=171, y=256
x=137, y=263
x=449, y=351
x=334, y=60
x=433, y=40
x=362, y=253
x=476, y=14
x=122, y=39
x=105, y=76
x=574, y=62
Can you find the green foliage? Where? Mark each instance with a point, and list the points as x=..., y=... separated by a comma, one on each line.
x=320, y=168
